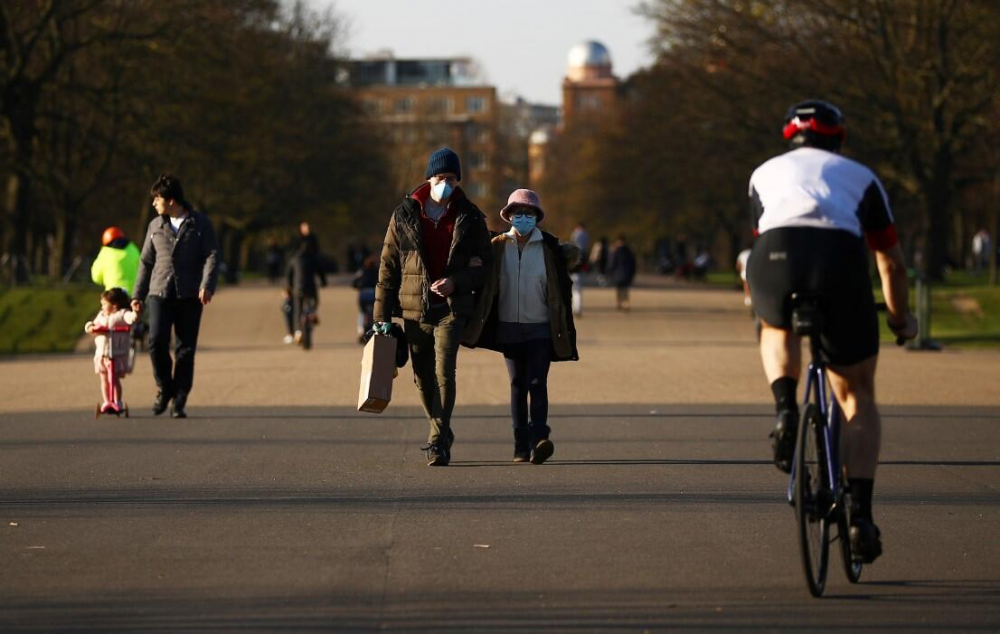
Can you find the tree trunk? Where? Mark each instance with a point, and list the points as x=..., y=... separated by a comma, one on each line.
x=16, y=247
x=937, y=199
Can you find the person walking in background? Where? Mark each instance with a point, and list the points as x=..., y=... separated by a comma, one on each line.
x=178, y=272
x=365, y=281
x=302, y=272
x=273, y=258
x=432, y=264
x=981, y=245
x=525, y=312
x=581, y=239
x=117, y=264
x=599, y=260
x=621, y=270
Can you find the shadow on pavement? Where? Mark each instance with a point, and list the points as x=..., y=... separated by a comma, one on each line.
x=951, y=608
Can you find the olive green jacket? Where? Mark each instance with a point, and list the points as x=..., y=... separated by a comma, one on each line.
x=403, y=288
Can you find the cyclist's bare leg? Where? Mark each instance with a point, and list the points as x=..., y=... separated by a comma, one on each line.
x=861, y=435
x=781, y=352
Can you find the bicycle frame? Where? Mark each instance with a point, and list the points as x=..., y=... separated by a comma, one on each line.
x=816, y=380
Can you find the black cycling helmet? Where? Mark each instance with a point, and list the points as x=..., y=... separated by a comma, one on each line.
x=814, y=123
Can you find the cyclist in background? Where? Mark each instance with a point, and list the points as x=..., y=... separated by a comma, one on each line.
x=117, y=264
x=303, y=270
x=813, y=211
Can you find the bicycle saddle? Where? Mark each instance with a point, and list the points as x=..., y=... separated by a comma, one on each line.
x=806, y=316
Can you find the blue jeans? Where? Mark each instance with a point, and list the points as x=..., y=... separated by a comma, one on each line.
x=528, y=366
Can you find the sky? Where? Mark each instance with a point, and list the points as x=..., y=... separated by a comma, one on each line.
x=521, y=45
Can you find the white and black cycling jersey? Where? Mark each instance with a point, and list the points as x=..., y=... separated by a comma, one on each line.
x=809, y=187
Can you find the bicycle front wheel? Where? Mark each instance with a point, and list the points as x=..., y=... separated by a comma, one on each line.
x=812, y=500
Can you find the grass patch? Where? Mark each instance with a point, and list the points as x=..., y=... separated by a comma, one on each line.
x=45, y=319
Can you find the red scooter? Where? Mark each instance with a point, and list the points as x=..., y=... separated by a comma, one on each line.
x=111, y=407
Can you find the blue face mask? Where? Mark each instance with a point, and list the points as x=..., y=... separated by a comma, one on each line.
x=442, y=191
x=523, y=224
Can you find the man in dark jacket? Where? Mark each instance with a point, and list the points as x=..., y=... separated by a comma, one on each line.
x=177, y=276
x=434, y=260
x=303, y=270
x=621, y=270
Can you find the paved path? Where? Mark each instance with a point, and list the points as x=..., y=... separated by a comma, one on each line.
x=276, y=506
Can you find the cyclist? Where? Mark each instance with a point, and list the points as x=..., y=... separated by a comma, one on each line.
x=117, y=264
x=813, y=210
x=303, y=269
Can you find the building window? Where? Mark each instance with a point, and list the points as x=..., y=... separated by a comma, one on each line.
x=476, y=133
x=477, y=161
x=372, y=106
x=478, y=190
x=404, y=105
x=439, y=105
x=475, y=104
x=588, y=102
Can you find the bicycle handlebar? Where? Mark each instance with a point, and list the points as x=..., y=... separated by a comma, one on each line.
x=105, y=329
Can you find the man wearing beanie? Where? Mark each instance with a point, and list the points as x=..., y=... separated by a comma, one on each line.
x=434, y=261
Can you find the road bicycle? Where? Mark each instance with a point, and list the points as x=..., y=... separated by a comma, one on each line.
x=817, y=488
x=307, y=320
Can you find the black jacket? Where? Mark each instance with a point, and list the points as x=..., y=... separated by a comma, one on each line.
x=303, y=269
x=621, y=269
x=188, y=261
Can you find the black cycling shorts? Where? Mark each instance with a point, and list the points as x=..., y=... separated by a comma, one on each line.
x=829, y=263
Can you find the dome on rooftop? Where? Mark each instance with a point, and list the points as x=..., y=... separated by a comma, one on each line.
x=590, y=53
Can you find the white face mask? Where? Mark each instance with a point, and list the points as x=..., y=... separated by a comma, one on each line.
x=442, y=191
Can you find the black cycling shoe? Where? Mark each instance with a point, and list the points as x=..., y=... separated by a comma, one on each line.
x=160, y=403
x=783, y=439
x=866, y=542
x=438, y=455
x=542, y=451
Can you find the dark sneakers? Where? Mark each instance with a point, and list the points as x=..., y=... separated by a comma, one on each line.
x=438, y=455
x=542, y=451
x=866, y=540
x=783, y=439
x=178, y=409
x=522, y=445
x=160, y=403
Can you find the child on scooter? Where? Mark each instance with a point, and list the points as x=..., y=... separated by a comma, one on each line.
x=112, y=346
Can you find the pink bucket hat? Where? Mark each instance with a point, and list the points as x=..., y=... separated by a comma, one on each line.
x=523, y=198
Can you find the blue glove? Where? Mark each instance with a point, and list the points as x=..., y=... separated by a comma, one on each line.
x=382, y=327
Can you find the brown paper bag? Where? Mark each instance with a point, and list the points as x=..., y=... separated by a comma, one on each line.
x=378, y=367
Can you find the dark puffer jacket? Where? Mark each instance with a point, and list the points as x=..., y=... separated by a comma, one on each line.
x=403, y=288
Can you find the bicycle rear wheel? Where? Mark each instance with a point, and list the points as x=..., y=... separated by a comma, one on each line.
x=851, y=566
x=812, y=500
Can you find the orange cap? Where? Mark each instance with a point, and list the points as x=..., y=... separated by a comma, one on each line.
x=111, y=234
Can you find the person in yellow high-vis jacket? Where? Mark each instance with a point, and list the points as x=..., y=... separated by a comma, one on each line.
x=117, y=265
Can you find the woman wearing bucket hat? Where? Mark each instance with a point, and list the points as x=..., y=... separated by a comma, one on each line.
x=525, y=312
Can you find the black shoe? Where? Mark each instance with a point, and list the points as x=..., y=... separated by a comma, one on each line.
x=179, y=402
x=783, y=439
x=438, y=455
x=160, y=404
x=522, y=446
x=542, y=451
x=866, y=542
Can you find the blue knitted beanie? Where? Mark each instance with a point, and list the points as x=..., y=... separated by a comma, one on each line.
x=442, y=162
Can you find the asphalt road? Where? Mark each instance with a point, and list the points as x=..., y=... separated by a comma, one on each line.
x=277, y=507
